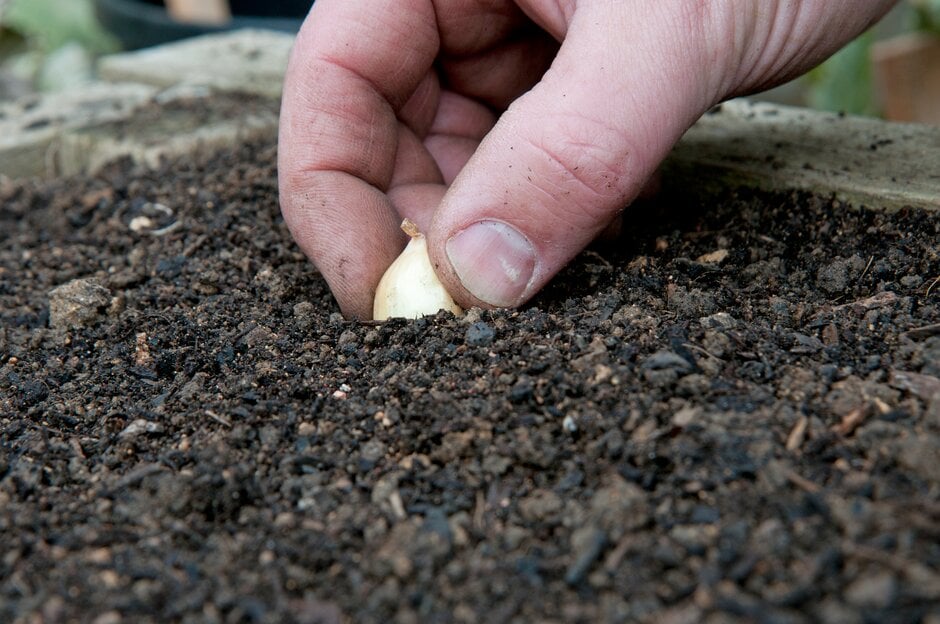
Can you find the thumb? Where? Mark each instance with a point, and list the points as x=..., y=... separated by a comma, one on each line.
x=569, y=155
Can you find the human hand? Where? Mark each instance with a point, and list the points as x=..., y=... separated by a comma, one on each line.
x=512, y=133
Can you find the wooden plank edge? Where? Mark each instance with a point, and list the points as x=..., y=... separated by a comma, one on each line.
x=861, y=161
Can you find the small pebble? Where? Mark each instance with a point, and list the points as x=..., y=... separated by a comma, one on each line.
x=480, y=334
x=587, y=544
x=138, y=427
x=569, y=424
x=77, y=303
x=667, y=359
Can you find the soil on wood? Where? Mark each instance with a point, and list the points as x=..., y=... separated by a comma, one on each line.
x=730, y=414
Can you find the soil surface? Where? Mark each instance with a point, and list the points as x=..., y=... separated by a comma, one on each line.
x=729, y=414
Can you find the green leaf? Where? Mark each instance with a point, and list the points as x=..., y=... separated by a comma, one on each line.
x=12, y=42
x=49, y=24
x=844, y=82
x=926, y=15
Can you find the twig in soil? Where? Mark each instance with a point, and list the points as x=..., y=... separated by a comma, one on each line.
x=875, y=301
x=250, y=326
x=45, y=429
x=797, y=434
x=166, y=230
x=159, y=315
x=219, y=419
x=196, y=244
x=702, y=350
x=618, y=553
x=932, y=284
x=479, y=512
x=922, y=332
x=867, y=268
x=596, y=256
x=882, y=407
x=915, y=571
x=851, y=421
x=802, y=482
x=135, y=476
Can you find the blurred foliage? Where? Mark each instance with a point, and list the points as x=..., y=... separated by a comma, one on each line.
x=927, y=15
x=844, y=83
x=48, y=45
x=50, y=24
x=12, y=42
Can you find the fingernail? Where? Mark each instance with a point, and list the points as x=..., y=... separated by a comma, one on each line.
x=494, y=262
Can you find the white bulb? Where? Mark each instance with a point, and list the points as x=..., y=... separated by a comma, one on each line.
x=410, y=288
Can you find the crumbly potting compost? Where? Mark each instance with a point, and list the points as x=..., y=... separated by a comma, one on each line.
x=730, y=414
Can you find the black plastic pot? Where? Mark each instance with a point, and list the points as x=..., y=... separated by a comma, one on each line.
x=143, y=23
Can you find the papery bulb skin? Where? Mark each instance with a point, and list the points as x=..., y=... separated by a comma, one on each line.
x=410, y=288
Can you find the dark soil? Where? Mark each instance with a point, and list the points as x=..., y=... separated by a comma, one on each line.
x=191, y=432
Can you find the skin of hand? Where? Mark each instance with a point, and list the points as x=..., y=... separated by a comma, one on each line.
x=512, y=133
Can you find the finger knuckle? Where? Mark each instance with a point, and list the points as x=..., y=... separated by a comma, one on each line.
x=589, y=163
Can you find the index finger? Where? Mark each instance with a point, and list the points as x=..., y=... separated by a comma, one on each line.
x=354, y=65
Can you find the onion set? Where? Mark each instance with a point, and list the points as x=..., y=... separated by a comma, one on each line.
x=410, y=288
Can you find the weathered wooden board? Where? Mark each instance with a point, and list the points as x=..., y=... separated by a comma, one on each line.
x=859, y=160
x=31, y=128
x=247, y=60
